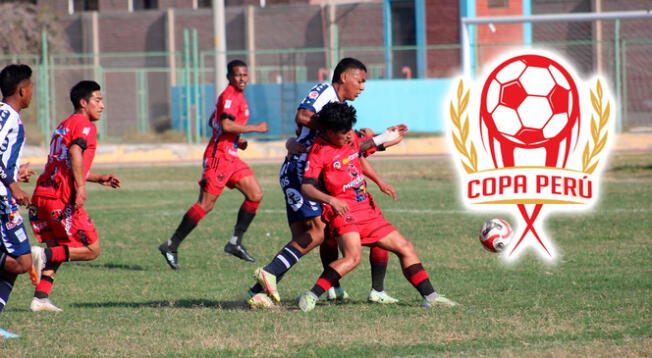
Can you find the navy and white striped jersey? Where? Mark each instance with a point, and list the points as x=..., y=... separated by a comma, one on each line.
x=12, y=138
x=317, y=98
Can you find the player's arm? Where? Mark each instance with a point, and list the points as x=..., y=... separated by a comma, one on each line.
x=293, y=147
x=229, y=125
x=309, y=191
x=391, y=136
x=370, y=173
x=76, y=153
x=306, y=117
x=104, y=179
x=7, y=173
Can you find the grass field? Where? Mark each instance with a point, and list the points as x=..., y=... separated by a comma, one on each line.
x=595, y=302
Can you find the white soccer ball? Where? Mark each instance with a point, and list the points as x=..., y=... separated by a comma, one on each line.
x=495, y=235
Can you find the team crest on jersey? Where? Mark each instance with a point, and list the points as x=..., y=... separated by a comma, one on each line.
x=337, y=164
x=86, y=130
x=531, y=137
x=313, y=94
x=227, y=103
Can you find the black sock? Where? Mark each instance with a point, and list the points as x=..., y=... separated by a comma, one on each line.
x=242, y=224
x=325, y=281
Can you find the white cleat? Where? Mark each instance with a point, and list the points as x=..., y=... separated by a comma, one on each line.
x=43, y=304
x=440, y=300
x=381, y=297
x=38, y=264
x=336, y=294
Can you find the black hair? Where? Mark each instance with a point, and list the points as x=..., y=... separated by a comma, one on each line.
x=233, y=64
x=347, y=64
x=337, y=116
x=11, y=76
x=82, y=90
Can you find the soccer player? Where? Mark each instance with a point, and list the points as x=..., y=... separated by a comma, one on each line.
x=15, y=256
x=223, y=167
x=304, y=216
x=57, y=212
x=353, y=217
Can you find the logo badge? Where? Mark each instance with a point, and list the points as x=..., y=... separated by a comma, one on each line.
x=530, y=138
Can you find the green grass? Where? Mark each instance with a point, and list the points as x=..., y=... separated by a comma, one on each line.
x=596, y=301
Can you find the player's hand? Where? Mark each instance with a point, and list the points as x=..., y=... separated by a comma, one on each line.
x=367, y=132
x=80, y=197
x=402, y=129
x=109, y=180
x=294, y=147
x=242, y=144
x=387, y=189
x=21, y=197
x=340, y=207
x=261, y=127
x=24, y=173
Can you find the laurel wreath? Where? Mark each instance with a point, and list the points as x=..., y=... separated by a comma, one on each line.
x=598, y=125
x=457, y=111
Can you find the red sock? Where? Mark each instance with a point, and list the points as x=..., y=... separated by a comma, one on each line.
x=44, y=287
x=250, y=206
x=57, y=254
x=196, y=213
x=325, y=281
x=418, y=277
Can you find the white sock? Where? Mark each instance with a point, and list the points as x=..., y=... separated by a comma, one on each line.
x=233, y=240
x=431, y=297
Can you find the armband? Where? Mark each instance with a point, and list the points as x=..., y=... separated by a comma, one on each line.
x=81, y=142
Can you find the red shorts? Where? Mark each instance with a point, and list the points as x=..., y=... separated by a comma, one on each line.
x=365, y=219
x=223, y=170
x=53, y=219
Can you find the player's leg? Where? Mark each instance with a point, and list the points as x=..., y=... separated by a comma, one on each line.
x=351, y=248
x=412, y=268
x=191, y=218
x=328, y=254
x=15, y=249
x=306, y=235
x=41, y=300
x=249, y=187
x=378, y=259
x=15, y=265
x=6, y=286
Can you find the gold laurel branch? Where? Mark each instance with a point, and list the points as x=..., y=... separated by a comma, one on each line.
x=461, y=123
x=599, y=121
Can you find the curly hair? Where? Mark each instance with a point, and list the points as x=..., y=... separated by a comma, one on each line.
x=339, y=117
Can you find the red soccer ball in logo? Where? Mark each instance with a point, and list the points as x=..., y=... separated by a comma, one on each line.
x=530, y=101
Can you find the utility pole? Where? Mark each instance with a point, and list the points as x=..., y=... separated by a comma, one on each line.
x=219, y=41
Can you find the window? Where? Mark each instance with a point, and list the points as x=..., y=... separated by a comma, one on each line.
x=498, y=4
x=144, y=4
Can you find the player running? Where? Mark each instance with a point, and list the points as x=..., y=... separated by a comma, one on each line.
x=223, y=167
x=15, y=257
x=304, y=216
x=57, y=212
x=334, y=163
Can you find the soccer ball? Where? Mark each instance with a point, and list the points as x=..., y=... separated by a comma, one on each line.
x=529, y=101
x=495, y=235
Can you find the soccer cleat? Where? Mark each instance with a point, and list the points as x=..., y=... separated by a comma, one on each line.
x=336, y=294
x=170, y=256
x=43, y=304
x=259, y=300
x=268, y=281
x=7, y=335
x=238, y=251
x=307, y=301
x=440, y=300
x=38, y=264
x=381, y=297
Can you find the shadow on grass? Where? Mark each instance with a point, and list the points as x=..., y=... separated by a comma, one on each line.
x=182, y=303
x=111, y=266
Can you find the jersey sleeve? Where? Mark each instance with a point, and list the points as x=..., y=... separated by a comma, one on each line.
x=81, y=135
x=314, y=165
x=317, y=98
x=7, y=122
x=371, y=150
x=228, y=107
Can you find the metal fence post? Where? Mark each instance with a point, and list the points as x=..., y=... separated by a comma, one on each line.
x=186, y=87
x=195, y=86
x=617, y=64
x=141, y=77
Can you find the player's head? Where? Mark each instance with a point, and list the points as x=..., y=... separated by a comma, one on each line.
x=349, y=78
x=337, y=119
x=15, y=81
x=87, y=99
x=237, y=74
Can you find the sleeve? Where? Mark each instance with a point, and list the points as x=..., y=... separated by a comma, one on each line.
x=316, y=99
x=227, y=107
x=6, y=123
x=314, y=165
x=80, y=135
x=369, y=151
